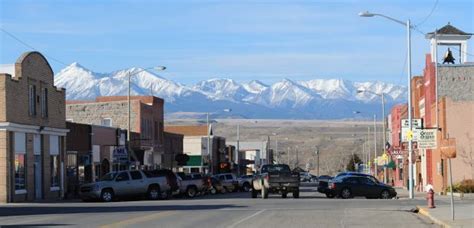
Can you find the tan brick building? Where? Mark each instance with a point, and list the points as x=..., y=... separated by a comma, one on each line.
x=32, y=131
x=146, y=122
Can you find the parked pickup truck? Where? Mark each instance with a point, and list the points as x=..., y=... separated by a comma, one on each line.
x=191, y=184
x=277, y=179
x=125, y=183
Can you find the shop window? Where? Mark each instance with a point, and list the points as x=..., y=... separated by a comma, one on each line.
x=20, y=170
x=54, y=162
x=107, y=122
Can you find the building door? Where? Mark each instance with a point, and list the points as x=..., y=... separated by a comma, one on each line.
x=38, y=179
x=38, y=172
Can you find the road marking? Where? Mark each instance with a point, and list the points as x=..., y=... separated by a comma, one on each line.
x=247, y=218
x=139, y=219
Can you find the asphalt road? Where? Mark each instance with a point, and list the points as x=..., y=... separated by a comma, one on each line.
x=226, y=210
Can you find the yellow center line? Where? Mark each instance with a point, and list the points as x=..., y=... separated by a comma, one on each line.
x=139, y=219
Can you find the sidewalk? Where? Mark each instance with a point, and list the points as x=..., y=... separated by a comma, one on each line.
x=463, y=212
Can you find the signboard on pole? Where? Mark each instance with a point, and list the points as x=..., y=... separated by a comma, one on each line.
x=427, y=139
x=410, y=135
x=415, y=123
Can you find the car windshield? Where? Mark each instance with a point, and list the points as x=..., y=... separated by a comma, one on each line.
x=276, y=168
x=108, y=177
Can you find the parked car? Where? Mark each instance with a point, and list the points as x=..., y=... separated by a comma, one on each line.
x=171, y=178
x=245, y=182
x=191, y=184
x=278, y=179
x=349, y=186
x=229, y=181
x=125, y=183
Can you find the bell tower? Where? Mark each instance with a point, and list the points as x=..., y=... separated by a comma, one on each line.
x=449, y=36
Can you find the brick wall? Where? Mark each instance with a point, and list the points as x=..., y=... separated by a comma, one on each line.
x=32, y=69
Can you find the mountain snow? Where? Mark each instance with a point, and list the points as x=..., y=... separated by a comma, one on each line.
x=286, y=98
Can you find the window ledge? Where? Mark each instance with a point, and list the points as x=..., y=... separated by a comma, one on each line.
x=20, y=191
x=54, y=189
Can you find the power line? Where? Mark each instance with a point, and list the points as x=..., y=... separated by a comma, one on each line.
x=31, y=47
x=429, y=14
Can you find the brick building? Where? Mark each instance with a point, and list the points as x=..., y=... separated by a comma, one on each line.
x=195, y=146
x=173, y=146
x=443, y=100
x=92, y=151
x=146, y=122
x=32, y=131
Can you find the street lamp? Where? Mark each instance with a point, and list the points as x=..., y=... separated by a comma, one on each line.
x=408, y=28
x=317, y=154
x=128, y=99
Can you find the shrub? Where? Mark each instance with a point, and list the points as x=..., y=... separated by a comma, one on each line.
x=465, y=186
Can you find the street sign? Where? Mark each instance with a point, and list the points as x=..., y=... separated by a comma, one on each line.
x=427, y=139
x=410, y=135
x=415, y=123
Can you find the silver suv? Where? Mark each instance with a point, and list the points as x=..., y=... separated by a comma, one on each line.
x=125, y=183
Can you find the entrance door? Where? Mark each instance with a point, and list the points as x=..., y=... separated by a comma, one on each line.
x=38, y=179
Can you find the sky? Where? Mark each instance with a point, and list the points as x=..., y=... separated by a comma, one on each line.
x=242, y=40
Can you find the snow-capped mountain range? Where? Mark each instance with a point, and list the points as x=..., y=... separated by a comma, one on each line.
x=319, y=98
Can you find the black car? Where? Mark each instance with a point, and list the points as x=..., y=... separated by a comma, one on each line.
x=349, y=186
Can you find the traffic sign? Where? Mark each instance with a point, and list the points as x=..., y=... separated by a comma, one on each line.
x=415, y=123
x=427, y=138
x=409, y=135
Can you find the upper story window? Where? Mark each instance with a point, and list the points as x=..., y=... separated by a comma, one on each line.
x=32, y=100
x=107, y=122
x=44, y=102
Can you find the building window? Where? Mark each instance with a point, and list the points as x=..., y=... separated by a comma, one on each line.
x=107, y=122
x=44, y=103
x=32, y=100
x=20, y=170
x=54, y=161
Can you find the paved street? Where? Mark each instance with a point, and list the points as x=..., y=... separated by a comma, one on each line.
x=225, y=210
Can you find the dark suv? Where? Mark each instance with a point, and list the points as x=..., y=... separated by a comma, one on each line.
x=348, y=186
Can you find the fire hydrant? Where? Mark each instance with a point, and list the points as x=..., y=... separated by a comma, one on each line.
x=430, y=198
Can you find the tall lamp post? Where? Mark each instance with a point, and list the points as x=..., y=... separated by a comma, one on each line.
x=317, y=161
x=408, y=28
x=129, y=74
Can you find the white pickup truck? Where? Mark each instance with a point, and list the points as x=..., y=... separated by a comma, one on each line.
x=125, y=183
x=191, y=184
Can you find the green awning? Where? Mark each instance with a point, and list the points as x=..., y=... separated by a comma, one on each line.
x=194, y=160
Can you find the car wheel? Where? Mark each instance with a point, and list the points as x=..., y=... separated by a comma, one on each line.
x=213, y=190
x=296, y=194
x=330, y=195
x=224, y=190
x=346, y=193
x=107, y=195
x=191, y=192
x=153, y=193
x=246, y=187
x=385, y=194
x=264, y=193
x=254, y=193
x=166, y=195
x=284, y=194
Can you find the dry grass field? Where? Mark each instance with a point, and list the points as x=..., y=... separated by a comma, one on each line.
x=337, y=140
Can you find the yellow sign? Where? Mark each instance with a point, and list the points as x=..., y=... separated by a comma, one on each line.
x=409, y=135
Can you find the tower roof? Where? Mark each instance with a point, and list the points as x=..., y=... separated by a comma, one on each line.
x=449, y=30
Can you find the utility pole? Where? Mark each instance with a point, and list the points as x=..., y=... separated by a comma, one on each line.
x=236, y=157
x=128, y=123
x=289, y=156
x=375, y=146
x=276, y=150
x=209, y=153
x=369, y=162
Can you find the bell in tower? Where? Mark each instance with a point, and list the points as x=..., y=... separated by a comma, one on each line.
x=448, y=57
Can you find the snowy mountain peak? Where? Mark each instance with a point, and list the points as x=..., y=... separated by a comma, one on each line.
x=298, y=99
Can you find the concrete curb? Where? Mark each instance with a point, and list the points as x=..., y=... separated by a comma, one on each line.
x=424, y=211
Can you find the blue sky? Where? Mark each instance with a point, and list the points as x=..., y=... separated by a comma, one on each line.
x=242, y=40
